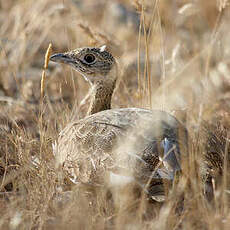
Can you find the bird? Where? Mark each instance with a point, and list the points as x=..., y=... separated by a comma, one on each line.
x=121, y=145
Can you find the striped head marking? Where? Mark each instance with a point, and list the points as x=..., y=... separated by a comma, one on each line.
x=92, y=63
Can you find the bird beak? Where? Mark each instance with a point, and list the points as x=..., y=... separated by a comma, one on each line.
x=62, y=58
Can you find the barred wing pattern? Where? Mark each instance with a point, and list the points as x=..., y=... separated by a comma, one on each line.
x=124, y=141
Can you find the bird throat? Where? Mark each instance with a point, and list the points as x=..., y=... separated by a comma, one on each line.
x=101, y=97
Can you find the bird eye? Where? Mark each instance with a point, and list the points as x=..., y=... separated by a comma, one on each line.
x=89, y=58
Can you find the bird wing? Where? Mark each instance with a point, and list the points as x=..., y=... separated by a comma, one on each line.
x=124, y=141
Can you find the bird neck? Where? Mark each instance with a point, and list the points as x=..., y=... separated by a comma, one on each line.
x=102, y=92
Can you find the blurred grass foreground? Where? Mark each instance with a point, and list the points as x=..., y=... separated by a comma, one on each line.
x=173, y=55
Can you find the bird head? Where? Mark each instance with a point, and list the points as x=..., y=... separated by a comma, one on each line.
x=95, y=64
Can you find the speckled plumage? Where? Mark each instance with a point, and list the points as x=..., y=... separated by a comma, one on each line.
x=122, y=141
x=88, y=143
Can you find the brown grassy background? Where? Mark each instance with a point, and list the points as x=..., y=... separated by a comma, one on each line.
x=173, y=55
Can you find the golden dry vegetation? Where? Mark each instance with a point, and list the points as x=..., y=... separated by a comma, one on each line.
x=173, y=55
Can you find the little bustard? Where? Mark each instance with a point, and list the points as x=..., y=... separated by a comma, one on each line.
x=124, y=144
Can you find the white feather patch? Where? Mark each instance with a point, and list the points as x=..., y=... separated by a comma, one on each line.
x=119, y=180
x=103, y=48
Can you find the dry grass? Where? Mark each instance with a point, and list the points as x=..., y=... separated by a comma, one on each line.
x=173, y=55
